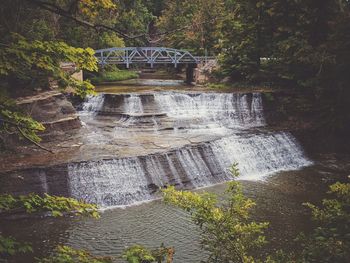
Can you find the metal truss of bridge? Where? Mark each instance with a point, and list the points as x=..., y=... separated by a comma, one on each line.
x=146, y=55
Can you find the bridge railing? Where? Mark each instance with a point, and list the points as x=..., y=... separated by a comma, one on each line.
x=147, y=55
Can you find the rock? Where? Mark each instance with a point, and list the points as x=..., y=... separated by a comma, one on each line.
x=52, y=109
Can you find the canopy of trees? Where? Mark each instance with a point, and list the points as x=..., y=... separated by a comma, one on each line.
x=292, y=43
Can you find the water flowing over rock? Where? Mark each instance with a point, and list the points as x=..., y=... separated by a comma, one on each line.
x=93, y=103
x=228, y=109
x=225, y=123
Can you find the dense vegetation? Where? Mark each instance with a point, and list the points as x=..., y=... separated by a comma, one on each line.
x=291, y=43
x=53, y=206
x=294, y=44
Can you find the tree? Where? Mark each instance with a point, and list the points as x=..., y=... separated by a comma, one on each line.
x=229, y=236
x=56, y=207
x=191, y=24
x=227, y=233
x=330, y=239
x=139, y=254
x=31, y=57
x=65, y=254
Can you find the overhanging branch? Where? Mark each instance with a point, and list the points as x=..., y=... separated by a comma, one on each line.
x=67, y=14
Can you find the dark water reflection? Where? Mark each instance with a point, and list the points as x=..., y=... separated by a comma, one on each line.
x=278, y=200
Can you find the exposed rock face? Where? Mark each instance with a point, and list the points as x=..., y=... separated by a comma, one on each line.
x=52, y=109
x=60, y=119
x=52, y=180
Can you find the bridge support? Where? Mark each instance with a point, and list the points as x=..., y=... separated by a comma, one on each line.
x=190, y=73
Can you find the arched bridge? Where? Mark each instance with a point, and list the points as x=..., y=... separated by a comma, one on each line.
x=146, y=55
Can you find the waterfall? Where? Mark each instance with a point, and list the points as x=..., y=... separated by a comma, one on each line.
x=129, y=180
x=110, y=182
x=133, y=105
x=126, y=180
x=260, y=155
x=93, y=103
x=228, y=109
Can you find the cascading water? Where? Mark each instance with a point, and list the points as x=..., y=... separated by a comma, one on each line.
x=227, y=109
x=126, y=180
x=260, y=155
x=133, y=105
x=112, y=182
x=93, y=103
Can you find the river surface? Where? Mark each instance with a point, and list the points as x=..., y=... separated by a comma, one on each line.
x=152, y=137
x=279, y=201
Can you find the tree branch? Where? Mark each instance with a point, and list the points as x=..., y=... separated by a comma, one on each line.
x=69, y=15
x=18, y=127
x=60, y=11
x=32, y=141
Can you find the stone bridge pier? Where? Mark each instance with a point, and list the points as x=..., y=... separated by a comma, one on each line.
x=190, y=70
x=202, y=73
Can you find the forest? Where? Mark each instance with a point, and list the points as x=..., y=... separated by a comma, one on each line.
x=300, y=49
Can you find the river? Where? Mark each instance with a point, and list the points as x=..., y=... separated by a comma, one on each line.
x=157, y=136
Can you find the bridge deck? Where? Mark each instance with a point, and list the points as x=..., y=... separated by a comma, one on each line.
x=147, y=55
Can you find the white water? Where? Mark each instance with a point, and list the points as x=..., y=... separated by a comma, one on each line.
x=133, y=105
x=260, y=155
x=228, y=109
x=110, y=182
x=129, y=180
x=93, y=103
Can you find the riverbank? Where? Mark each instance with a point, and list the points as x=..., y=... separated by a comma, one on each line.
x=113, y=76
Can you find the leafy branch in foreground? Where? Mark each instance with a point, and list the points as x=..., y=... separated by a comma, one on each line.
x=139, y=254
x=12, y=121
x=33, y=64
x=227, y=233
x=26, y=65
x=9, y=246
x=65, y=254
x=56, y=205
x=330, y=240
x=229, y=236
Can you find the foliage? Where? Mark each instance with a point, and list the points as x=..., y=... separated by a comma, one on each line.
x=191, y=24
x=28, y=65
x=330, y=239
x=114, y=76
x=12, y=121
x=34, y=64
x=56, y=205
x=226, y=231
x=9, y=246
x=135, y=19
x=302, y=44
x=65, y=254
x=31, y=59
x=139, y=254
x=91, y=8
